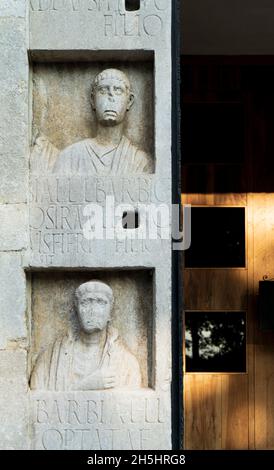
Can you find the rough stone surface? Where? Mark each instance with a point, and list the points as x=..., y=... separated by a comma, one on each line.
x=131, y=315
x=45, y=107
x=108, y=420
x=14, y=405
x=13, y=8
x=58, y=90
x=12, y=299
x=14, y=110
x=13, y=222
x=13, y=183
x=14, y=86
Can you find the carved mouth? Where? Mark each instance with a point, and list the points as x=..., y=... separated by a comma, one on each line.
x=110, y=111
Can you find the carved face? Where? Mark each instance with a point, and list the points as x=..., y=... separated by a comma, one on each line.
x=111, y=101
x=94, y=309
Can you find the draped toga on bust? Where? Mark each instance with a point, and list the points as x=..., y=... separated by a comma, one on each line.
x=59, y=367
x=82, y=158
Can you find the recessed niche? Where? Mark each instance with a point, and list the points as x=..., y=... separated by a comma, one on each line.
x=54, y=315
x=215, y=341
x=217, y=238
x=63, y=113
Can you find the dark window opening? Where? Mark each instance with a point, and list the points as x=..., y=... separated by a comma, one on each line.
x=215, y=341
x=209, y=179
x=213, y=133
x=130, y=220
x=132, y=5
x=217, y=238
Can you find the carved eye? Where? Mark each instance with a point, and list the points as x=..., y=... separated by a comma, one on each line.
x=118, y=90
x=102, y=90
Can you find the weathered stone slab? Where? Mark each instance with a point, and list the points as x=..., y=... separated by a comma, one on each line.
x=62, y=211
x=14, y=406
x=101, y=22
x=14, y=104
x=85, y=126
x=13, y=8
x=14, y=87
x=12, y=299
x=13, y=184
x=13, y=220
x=101, y=420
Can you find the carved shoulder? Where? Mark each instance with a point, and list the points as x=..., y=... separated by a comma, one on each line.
x=68, y=158
x=143, y=162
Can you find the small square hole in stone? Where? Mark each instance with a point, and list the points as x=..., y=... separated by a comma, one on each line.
x=132, y=5
x=130, y=220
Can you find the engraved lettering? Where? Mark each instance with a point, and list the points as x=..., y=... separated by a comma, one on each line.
x=73, y=412
x=109, y=25
x=92, y=5
x=161, y=4
x=92, y=412
x=59, y=5
x=42, y=414
x=153, y=25
x=52, y=439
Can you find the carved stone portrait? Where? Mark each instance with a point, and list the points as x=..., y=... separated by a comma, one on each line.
x=94, y=359
x=110, y=152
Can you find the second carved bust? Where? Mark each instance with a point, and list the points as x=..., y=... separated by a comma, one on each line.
x=94, y=359
x=110, y=152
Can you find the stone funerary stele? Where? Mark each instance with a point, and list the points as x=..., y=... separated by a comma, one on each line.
x=85, y=337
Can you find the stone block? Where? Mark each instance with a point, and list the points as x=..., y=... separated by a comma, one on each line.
x=12, y=299
x=13, y=223
x=14, y=404
x=13, y=8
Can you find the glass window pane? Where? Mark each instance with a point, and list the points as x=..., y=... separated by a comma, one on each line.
x=217, y=238
x=215, y=341
x=213, y=133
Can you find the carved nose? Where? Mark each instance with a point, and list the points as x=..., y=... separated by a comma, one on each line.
x=111, y=92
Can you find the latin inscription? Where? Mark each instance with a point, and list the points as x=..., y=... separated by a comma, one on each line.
x=116, y=21
x=99, y=423
x=57, y=217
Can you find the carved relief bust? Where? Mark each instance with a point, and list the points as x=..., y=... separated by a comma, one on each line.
x=110, y=152
x=94, y=359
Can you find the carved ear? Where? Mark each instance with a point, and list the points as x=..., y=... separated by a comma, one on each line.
x=92, y=100
x=130, y=101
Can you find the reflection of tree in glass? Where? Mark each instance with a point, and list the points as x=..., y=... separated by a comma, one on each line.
x=215, y=341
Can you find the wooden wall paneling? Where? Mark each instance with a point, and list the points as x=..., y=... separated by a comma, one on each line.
x=203, y=420
x=251, y=315
x=230, y=199
x=193, y=412
x=264, y=391
x=264, y=348
x=235, y=434
x=213, y=289
x=212, y=389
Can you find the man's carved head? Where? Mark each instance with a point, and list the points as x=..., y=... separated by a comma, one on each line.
x=93, y=301
x=111, y=96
